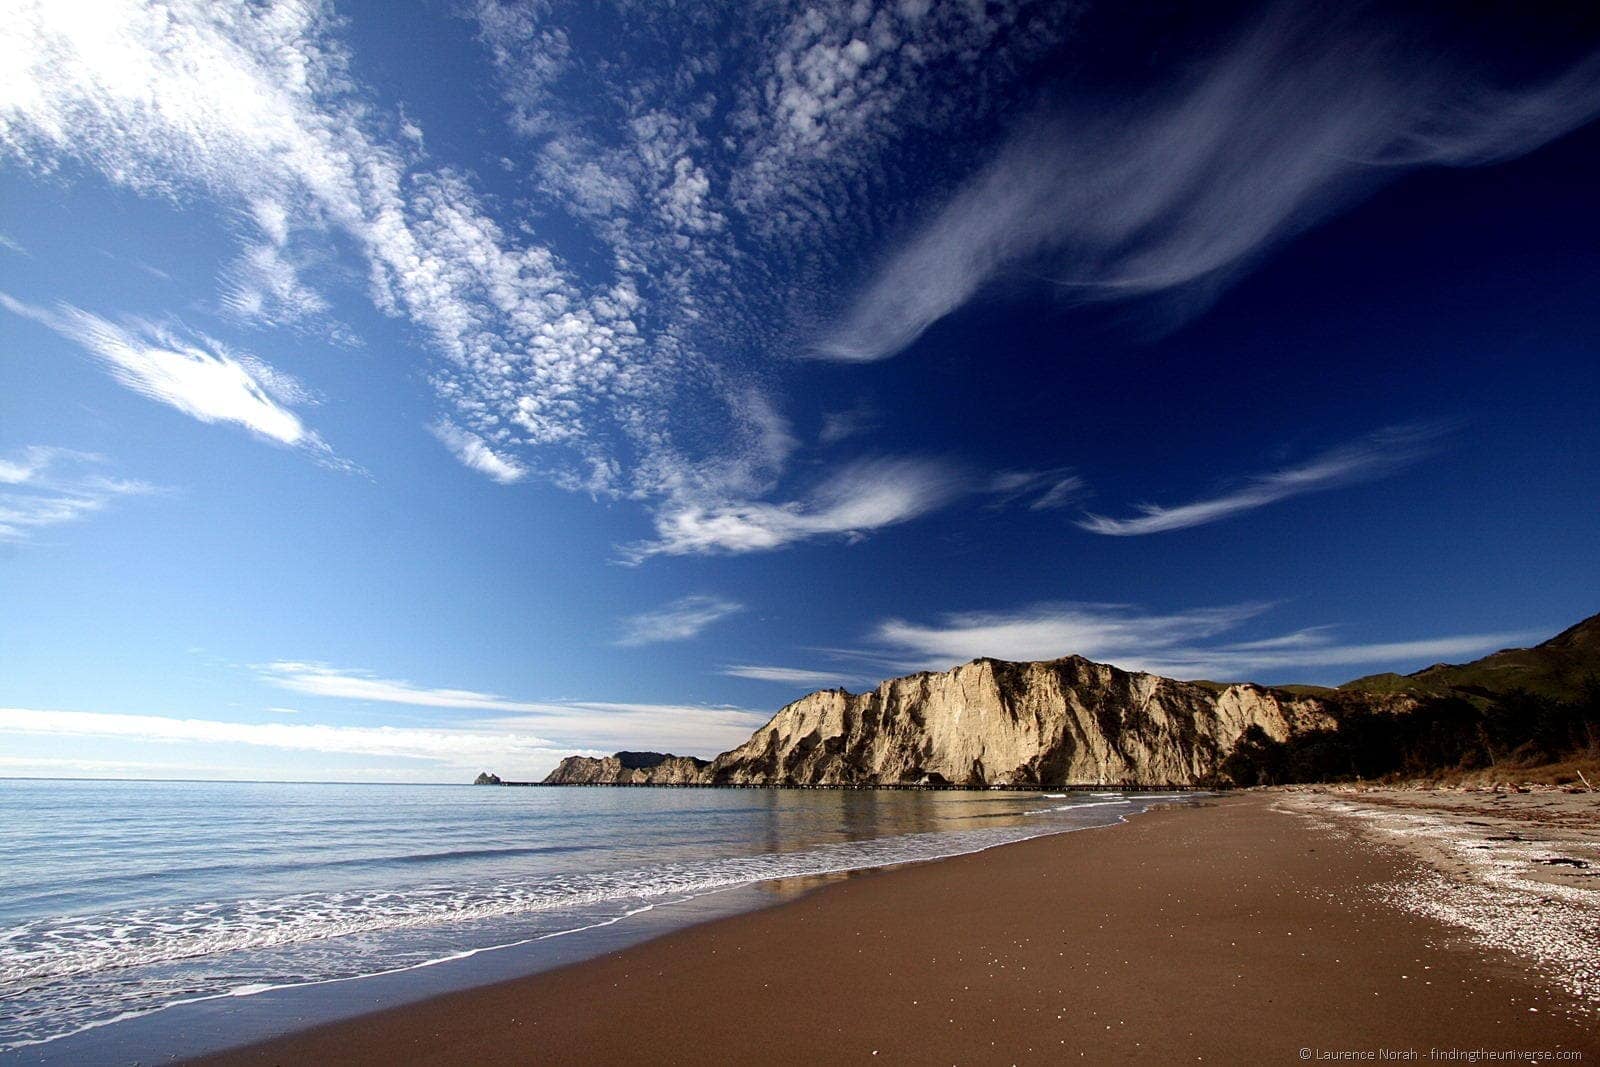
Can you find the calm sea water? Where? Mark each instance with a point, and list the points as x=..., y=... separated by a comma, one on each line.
x=118, y=899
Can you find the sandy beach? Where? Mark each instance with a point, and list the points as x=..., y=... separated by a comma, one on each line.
x=1265, y=928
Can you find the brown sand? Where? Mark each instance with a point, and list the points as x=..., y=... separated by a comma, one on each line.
x=1235, y=933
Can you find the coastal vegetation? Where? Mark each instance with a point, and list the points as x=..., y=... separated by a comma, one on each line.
x=1446, y=736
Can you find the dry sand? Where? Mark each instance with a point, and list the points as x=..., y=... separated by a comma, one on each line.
x=1264, y=928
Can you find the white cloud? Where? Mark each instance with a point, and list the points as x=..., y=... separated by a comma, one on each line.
x=839, y=84
x=458, y=747
x=777, y=118
x=319, y=679
x=716, y=174
x=32, y=464
x=683, y=729
x=1374, y=456
x=476, y=454
x=861, y=498
x=1181, y=189
x=1061, y=492
x=264, y=286
x=790, y=675
x=1180, y=644
x=524, y=745
x=680, y=620
x=1044, y=490
x=593, y=383
x=581, y=724
x=840, y=426
x=198, y=376
x=253, y=106
x=1096, y=631
x=43, y=486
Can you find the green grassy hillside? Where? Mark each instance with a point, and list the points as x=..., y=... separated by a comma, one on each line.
x=1561, y=668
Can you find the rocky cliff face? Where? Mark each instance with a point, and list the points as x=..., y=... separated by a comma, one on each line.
x=1063, y=722
x=628, y=768
x=988, y=722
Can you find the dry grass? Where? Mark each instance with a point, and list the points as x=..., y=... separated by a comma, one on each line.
x=1569, y=772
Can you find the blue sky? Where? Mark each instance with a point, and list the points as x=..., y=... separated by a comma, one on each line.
x=392, y=392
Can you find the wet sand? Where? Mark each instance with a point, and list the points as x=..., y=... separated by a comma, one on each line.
x=1262, y=928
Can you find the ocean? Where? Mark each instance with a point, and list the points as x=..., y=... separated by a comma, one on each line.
x=121, y=900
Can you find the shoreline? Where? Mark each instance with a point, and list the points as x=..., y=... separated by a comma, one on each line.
x=200, y=1025
x=1172, y=939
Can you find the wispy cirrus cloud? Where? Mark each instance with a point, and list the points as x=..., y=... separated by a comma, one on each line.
x=790, y=675
x=703, y=730
x=264, y=286
x=723, y=167
x=723, y=185
x=851, y=503
x=839, y=426
x=680, y=620
x=320, y=679
x=43, y=486
x=526, y=745
x=1178, y=191
x=451, y=747
x=1374, y=456
x=253, y=107
x=857, y=500
x=474, y=452
x=571, y=725
x=196, y=375
x=1040, y=490
x=1183, y=644
x=729, y=182
x=590, y=382
x=1095, y=631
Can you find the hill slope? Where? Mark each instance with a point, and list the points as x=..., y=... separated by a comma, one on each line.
x=1559, y=668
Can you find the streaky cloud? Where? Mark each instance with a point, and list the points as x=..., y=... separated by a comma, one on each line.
x=684, y=729
x=1183, y=644
x=455, y=746
x=1179, y=192
x=1043, y=490
x=1049, y=631
x=1374, y=456
x=195, y=374
x=284, y=140
x=680, y=620
x=728, y=197
x=320, y=679
x=476, y=454
x=789, y=675
x=43, y=486
x=860, y=498
x=585, y=726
